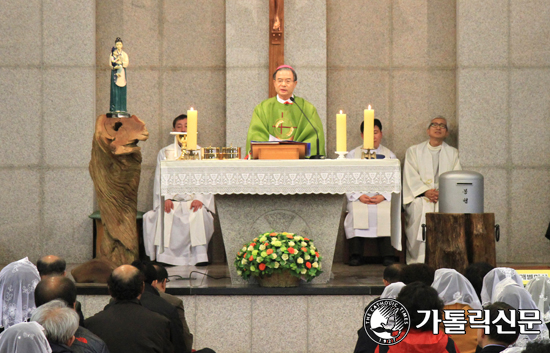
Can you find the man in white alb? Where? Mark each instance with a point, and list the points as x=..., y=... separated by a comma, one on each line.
x=424, y=163
x=369, y=214
x=188, y=220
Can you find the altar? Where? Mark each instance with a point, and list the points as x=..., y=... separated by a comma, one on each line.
x=298, y=196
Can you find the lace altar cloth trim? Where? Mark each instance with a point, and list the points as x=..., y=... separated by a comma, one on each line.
x=283, y=177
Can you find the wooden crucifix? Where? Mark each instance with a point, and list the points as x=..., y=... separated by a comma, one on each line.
x=276, y=39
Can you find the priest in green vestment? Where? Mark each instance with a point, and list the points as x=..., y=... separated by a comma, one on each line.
x=279, y=118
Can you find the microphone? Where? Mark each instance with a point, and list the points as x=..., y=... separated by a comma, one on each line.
x=317, y=156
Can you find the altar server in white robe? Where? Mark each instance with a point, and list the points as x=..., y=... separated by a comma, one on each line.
x=369, y=214
x=188, y=221
x=424, y=163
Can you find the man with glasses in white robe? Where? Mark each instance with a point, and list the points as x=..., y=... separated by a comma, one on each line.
x=424, y=163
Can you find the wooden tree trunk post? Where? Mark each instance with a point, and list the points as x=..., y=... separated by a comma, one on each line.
x=454, y=240
x=276, y=39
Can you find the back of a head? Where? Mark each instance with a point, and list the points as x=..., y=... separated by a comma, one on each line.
x=494, y=336
x=420, y=296
x=147, y=270
x=55, y=287
x=537, y=347
x=417, y=272
x=392, y=273
x=25, y=337
x=475, y=273
x=162, y=274
x=51, y=265
x=59, y=321
x=125, y=283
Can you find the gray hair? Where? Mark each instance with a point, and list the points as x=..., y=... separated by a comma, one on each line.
x=440, y=117
x=59, y=321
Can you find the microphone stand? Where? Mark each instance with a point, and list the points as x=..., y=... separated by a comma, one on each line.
x=317, y=156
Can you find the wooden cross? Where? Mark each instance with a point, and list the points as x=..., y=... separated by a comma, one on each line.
x=276, y=39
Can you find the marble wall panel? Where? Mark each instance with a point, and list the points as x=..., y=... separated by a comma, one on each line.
x=194, y=33
x=529, y=28
x=482, y=32
x=358, y=33
x=108, y=28
x=529, y=196
x=68, y=200
x=68, y=116
x=21, y=33
x=68, y=30
x=343, y=314
x=305, y=34
x=224, y=330
x=312, y=87
x=424, y=33
x=20, y=223
x=352, y=90
x=417, y=97
x=483, y=117
x=266, y=310
x=204, y=91
x=530, y=116
x=140, y=31
x=246, y=38
x=239, y=111
x=20, y=106
x=103, y=91
x=190, y=307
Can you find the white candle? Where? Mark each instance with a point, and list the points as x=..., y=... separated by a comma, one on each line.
x=192, y=129
x=368, y=129
x=341, y=133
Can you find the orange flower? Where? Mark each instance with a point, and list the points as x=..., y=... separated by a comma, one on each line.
x=266, y=244
x=244, y=254
x=316, y=254
x=308, y=264
x=304, y=249
x=290, y=236
x=252, y=244
x=269, y=251
x=239, y=253
x=306, y=239
x=273, y=234
x=251, y=258
x=291, y=250
x=261, y=267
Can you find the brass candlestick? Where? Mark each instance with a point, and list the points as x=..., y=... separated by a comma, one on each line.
x=368, y=154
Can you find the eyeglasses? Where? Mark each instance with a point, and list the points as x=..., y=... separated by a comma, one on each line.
x=443, y=126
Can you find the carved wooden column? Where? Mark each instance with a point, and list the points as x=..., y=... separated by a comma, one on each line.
x=276, y=39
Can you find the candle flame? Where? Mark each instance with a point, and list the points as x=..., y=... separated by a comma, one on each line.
x=340, y=112
x=369, y=107
x=192, y=108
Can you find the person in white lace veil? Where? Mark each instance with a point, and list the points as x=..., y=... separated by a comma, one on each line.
x=493, y=278
x=17, y=283
x=454, y=288
x=392, y=290
x=24, y=337
x=539, y=288
x=513, y=294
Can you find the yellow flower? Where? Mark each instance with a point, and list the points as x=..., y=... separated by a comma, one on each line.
x=307, y=257
x=312, y=252
x=250, y=248
x=300, y=260
x=284, y=233
x=284, y=257
x=252, y=268
x=298, y=238
x=273, y=256
x=243, y=249
x=259, y=259
x=244, y=261
x=304, y=243
x=304, y=271
x=263, y=239
x=264, y=254
x=255, y=252
x=239, y=272
x=276, y=264
x=262, y=247
x=276, y=243
x=291, y=243
x=315, y=265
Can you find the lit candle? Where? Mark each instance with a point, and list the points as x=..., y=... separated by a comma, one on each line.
x=191, y=129
x=368, y=131
x=341, y=133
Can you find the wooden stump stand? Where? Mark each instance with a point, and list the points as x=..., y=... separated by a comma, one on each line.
x=455, y=240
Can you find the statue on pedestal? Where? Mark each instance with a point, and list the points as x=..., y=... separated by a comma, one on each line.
x=118, y=61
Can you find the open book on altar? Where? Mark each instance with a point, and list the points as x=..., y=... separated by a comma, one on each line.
x=280, y=149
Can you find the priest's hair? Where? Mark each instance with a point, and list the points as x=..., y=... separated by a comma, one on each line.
x=376, y=123
x=286, y=69
x=178, y=118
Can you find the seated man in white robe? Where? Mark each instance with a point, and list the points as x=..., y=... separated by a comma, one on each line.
x=424, y=163
x=180, y=234
x=369, y=214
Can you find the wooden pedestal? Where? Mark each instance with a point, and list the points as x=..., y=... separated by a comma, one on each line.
x=455, y=240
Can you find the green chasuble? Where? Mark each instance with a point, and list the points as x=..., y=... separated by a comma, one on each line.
x=285, y=122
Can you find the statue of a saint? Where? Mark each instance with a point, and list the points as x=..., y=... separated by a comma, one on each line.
x=118, y=62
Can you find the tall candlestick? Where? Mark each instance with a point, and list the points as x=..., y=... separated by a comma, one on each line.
x=368, y=130
x=341, y=133
x=192, y=129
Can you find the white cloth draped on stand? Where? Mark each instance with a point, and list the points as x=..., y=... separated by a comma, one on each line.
x=186, y=233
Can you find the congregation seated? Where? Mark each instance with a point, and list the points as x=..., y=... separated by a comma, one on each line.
x=493, y=278
x=498, y=338
x=475, y=273
x=539, y=288
x=60, y=324
x=537, y=347
x=392, y=274
x=392, y=290
x=24, y=337
x=62, y=288
x=417, y=272
x=17, y=282
x=458, y=293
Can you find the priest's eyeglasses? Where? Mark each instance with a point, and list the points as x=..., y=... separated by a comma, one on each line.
x=435, y=125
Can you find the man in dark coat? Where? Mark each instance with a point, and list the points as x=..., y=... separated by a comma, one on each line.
x=126, y=325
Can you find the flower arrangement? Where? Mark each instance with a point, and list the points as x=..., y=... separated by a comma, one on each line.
x=272, y=252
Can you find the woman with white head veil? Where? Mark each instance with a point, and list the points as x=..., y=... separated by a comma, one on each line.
x=24, y=337
x=458, y=293
x=509, y=292
x=493, y=278
x=17, y=283
x=392, y=290
x=539, y=288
